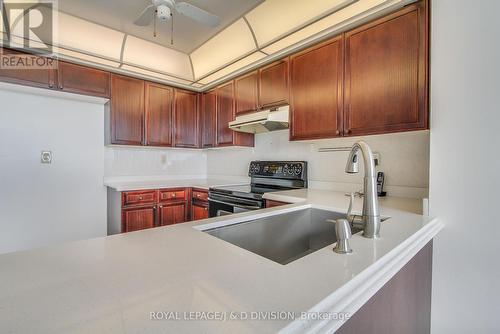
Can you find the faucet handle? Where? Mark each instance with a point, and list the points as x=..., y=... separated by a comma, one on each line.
x=343, y=231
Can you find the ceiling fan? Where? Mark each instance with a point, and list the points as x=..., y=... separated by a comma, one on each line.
x=162, y=10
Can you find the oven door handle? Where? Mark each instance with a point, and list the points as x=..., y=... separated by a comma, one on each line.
x=248, y=207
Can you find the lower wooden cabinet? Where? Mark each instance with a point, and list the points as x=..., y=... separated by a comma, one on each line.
x=199, y=211
x=172, y=213
x=199, y=207
x=272, y=204
x=135, y=210
x=138, y=218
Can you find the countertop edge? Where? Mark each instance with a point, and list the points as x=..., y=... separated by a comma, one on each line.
x=150, y=184
x=283, y=198
x=353, y=295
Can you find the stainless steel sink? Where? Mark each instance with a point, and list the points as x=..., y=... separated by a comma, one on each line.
x=283, y=238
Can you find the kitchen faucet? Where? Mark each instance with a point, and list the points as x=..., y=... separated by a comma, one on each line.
x=370, y=219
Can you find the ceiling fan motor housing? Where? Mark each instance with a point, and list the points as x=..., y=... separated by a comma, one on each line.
x=163, y=12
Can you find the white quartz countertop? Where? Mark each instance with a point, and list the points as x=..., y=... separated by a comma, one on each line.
x=324, y=197
x=144, y=183
x=112, y=284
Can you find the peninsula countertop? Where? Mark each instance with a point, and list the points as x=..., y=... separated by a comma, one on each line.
x=116, y=284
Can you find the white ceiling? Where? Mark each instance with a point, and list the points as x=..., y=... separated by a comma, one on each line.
x=188, y=34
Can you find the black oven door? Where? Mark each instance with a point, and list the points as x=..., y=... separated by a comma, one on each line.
x=221, y=205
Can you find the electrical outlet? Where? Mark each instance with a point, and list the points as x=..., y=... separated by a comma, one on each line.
x=46, y=157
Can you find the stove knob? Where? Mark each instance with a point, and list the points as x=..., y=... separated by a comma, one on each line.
x=297, y=170
x=285, y=170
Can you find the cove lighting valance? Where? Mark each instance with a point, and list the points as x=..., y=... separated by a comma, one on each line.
x=268, y=32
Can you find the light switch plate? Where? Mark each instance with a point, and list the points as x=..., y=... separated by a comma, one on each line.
x=46, y=157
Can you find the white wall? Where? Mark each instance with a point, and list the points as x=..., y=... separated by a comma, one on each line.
x=404, y=157
x=66, y=200
x=465, y=165
x=137, y=161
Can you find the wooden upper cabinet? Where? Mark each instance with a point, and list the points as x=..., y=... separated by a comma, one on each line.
x=273, y=84
x=185, y=118
x=316, y=78
x=225, y=114
x=386, y=74
x=83, y=80
x=208, y=117
x=44, y=78
x=246, y=93
x=159, y=105
x=127, y=110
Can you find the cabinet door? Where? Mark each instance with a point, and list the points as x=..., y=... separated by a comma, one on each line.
x=174, y=213
x=83, y=80
x=316, y=76
x=246, y=93
x=273, y=84
x=139, y=218
x=159, y=104
x=225, y=114
x=272, y=204
x=127, y=110
x=207, y=116
x=185, y=118
x=199, y=212
x=44, y=78
x=386, y=74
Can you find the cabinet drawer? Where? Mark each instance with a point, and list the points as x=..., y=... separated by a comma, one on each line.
x=172, y=194
x=200, y=195
x=139, y=197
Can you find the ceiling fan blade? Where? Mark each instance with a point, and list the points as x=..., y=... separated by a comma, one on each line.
x=197, y=14
x=146, y=16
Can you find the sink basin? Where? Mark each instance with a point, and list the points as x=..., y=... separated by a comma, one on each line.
x=283, y=238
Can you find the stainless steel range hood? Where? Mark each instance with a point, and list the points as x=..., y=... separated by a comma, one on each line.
x=262, y=121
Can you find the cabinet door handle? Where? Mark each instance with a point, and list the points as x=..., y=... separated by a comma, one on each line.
x=174, y=195
x=140, y=198
x=198, y=195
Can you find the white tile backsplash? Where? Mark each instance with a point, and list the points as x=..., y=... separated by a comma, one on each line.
x=133, y=161
x=404, y=157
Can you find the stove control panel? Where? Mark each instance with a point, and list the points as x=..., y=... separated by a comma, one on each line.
x=296, y=170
